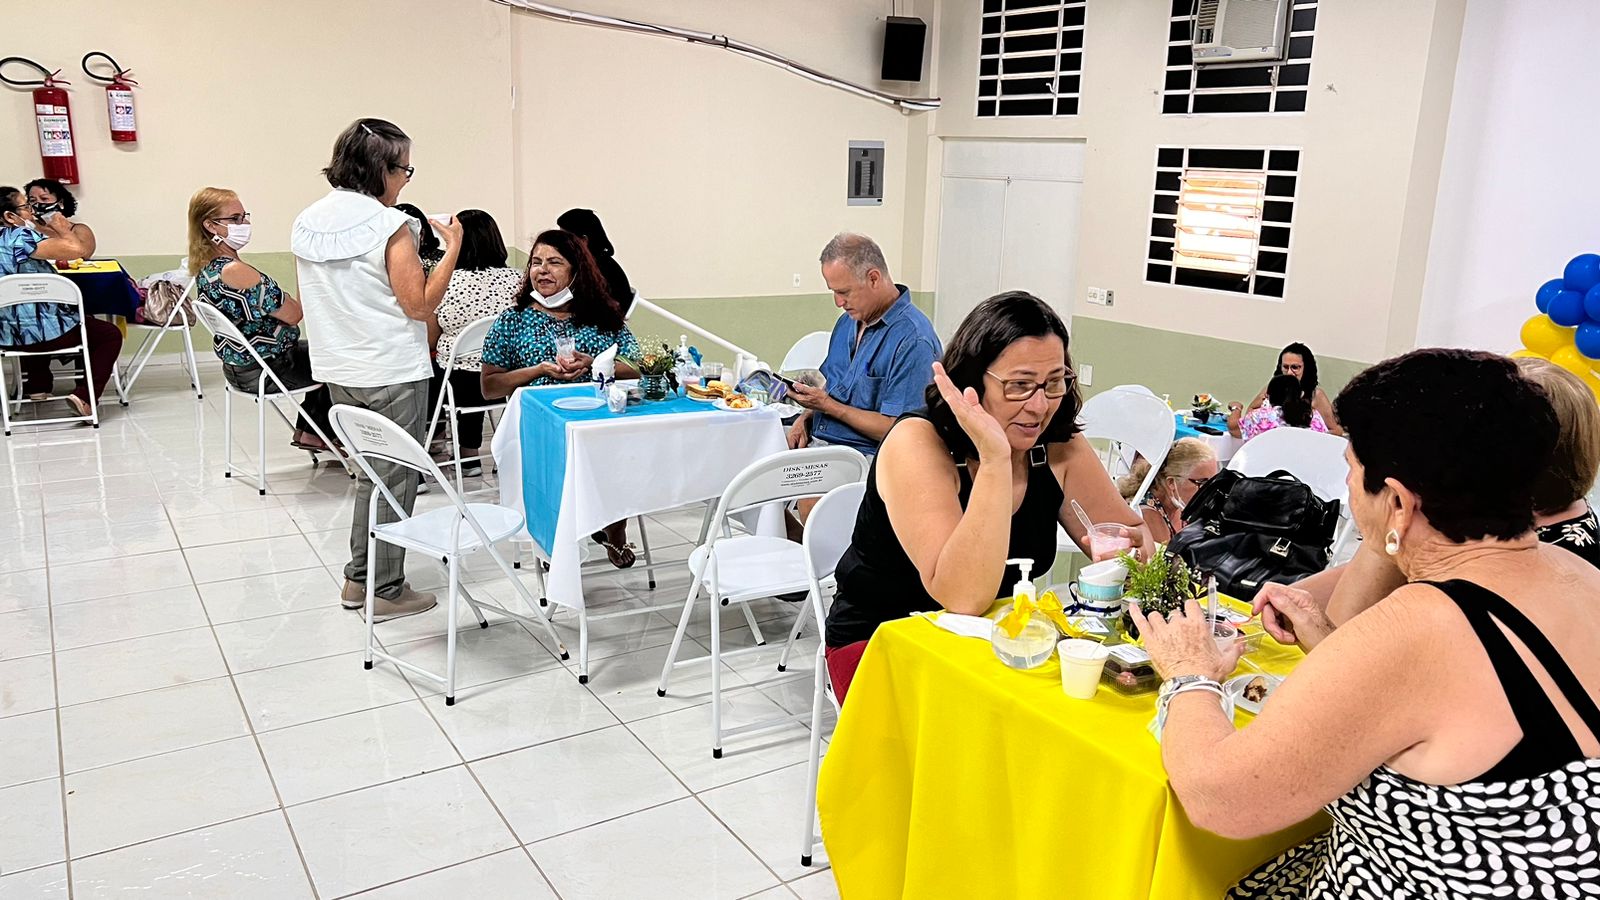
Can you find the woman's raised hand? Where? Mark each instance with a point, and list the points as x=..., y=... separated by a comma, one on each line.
x=986, y=432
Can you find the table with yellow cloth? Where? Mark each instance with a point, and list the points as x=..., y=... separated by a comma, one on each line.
x=951, y=775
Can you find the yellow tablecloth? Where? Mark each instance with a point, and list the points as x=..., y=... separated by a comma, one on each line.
x=951, y=775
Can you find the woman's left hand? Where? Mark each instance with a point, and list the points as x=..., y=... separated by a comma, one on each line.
x=578, y=364
x=1181, y=643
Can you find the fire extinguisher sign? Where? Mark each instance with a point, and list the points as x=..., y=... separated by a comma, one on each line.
x=55, y=130
x=119, y=104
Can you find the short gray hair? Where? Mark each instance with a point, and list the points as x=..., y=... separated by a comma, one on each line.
x=859, y=253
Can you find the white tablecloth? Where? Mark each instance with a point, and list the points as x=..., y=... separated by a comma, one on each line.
x=631, y=465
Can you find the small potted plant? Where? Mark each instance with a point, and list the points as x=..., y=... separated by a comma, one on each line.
x=655, y=363
x=1161, y=585
x=1205, y=406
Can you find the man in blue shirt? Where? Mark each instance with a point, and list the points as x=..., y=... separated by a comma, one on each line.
x=880, y=357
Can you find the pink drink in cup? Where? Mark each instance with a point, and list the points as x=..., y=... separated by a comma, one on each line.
x=1109, y=540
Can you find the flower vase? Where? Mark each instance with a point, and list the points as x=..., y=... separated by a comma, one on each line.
x=654, y=386
x=1202, y=416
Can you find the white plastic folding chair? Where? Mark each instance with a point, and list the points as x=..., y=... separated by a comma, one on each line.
x=807, y=353
x=223, y=329
x=178, y=321
x=448, y=533
x=827, y=536
x=1130, y=421
x=46, y=289
x=1313, y=457
x=470, y=341
x=735, y=569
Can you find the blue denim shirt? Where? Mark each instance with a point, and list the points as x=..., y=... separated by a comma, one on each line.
x=29, y=323
x=886, y=374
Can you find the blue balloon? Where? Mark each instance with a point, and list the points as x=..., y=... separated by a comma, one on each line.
x=1567, y=309
x=1582, y=273
x=1588, y=339
x=1547, y=292
x=1591, y=303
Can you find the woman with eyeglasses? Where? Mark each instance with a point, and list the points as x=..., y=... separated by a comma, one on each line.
x=982, y=475
x=219, y=227
x=367, y=301
x=1189, y=464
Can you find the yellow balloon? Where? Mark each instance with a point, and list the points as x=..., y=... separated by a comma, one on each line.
x=1545, y=337
x=1570, y=359
x=1528, y=354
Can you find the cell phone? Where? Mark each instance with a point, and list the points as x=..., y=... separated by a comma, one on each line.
x=788, y=382
x=1207, y=429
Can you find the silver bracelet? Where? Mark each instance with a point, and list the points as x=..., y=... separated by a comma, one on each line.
x=1184, y=685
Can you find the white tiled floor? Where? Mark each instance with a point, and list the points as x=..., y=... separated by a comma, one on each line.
x=183, y=710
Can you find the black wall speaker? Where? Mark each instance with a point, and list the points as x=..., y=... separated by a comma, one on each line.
x=903, y=37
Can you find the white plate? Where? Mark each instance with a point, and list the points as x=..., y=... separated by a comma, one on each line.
x=578, y=403
x=722, y=404
x=1235, y=687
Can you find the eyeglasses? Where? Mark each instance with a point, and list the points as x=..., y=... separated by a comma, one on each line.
x=409, y=170
x=1197, y=482
x=240, y=219
x=1024, y=389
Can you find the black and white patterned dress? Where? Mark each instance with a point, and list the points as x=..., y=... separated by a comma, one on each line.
x=1580, y=534
x=1527, y=828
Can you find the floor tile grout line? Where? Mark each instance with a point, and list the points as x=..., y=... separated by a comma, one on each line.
x=55, y=688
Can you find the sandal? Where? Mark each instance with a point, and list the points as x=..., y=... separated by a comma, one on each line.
x=308, y=440
x=622, y=557
x=79, y=405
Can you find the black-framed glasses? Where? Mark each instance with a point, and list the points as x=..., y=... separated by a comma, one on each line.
x=1197, y=482
x=1019, y=389
x=409, y=170
x=238, y=219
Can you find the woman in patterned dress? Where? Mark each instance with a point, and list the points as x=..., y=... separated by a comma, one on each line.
x=563, y=296
x=1451, y=729
x=482, y=285
x=268, y=318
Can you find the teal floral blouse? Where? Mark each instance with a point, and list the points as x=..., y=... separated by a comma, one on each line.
x=527, y=337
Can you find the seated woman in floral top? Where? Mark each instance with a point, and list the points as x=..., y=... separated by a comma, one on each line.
x=1285, y=406
x=268, y=318
x=563, y=296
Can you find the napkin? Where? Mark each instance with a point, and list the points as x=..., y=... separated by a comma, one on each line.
x=966, y=626
x=605, y=363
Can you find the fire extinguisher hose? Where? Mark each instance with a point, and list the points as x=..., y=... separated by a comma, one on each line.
x=119, y=76
x=49, y=80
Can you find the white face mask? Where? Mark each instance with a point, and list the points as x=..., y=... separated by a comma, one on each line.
x=1177, y=503
x=558, y=300
x=238, y=236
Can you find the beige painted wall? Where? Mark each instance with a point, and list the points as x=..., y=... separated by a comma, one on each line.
x=251, y=95
x=1371, y=137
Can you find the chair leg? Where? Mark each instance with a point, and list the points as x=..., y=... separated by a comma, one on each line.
x=5, y=394
x=522, y=591
x=453, y=563
x=372, y=554
x=716, y=665
x=644, y=541
x=755, y=630
x=818, y=697
x=227, y=428
x=583, y=646
x=455, y=447
x=677, y=637
x=794, y=634
x=194, y=364
x=261, y=445
x=472, y=604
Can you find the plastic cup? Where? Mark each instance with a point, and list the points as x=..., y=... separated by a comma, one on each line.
x=1081, y=664
x=1225, y=633
x=1102, y=581
x=1108, y=540
x=566, y=348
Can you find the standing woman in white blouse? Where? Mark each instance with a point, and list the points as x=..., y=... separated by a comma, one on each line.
x=482, y=286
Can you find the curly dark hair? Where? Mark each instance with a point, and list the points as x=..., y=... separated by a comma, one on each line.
x=1308, y=378
x=591, y=303
x=982, y=336
x=1462, y=429
x=69, y=203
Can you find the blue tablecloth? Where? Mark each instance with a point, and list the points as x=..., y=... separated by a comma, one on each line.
x=107, y=289
x=1186, y=427
x=543, y=429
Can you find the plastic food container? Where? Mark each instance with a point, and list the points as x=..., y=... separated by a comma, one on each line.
x=1129, y=670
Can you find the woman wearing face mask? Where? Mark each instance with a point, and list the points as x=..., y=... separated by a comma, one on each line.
x=981, y=476
x=563, y=296
x=50, y=198
x=219, y=228
x=1189, y=464
x=28, y=245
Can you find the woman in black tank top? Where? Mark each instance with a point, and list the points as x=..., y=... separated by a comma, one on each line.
x=974, y=480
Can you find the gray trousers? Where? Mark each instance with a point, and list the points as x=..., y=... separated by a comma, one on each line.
x=407, y=406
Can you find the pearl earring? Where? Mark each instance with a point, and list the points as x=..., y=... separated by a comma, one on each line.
x=1391, y=542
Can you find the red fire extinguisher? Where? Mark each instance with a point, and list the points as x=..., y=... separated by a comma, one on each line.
x=53, y=119
x=119, y=98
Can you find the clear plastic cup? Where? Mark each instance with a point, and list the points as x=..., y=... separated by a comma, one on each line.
x=1081, y=664
x=1108, y=540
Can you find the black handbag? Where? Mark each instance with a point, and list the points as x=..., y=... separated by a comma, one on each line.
x=1249, y=531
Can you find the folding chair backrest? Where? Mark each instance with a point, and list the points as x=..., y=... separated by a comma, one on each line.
x=1311, y=456
x=471, y=339
x=791, y=475
x=366, y=433
x=221, y=326
x=807, y=353
x=39, y=288
x=1133, y=419
x=830, y=526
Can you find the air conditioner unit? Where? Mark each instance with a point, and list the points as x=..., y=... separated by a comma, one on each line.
x=1240, y=30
